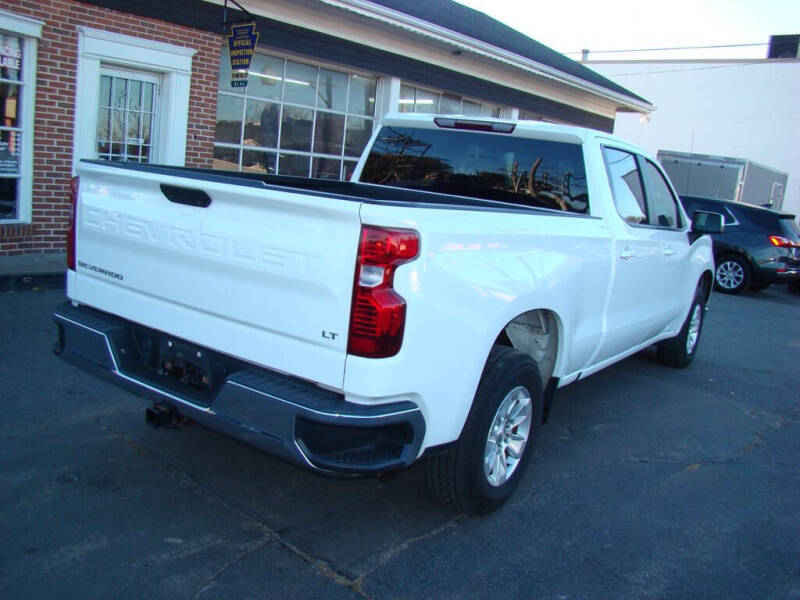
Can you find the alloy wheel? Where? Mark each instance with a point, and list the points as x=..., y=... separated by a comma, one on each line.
x=730, y=275
x=508, y=436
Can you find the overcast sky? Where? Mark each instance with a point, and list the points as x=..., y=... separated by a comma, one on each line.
x=571, y=25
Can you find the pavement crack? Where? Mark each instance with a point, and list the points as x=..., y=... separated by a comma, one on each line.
x=757, y=440
x=386, y=556
x=251, y=548
x=759, y=412
x=321, y=566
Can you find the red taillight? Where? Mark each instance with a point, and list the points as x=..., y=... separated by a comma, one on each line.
x=378, y=314
x=73, y=198
x=782, y=242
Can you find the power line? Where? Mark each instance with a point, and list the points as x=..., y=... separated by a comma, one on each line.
x=709, y=68
x=675, y=48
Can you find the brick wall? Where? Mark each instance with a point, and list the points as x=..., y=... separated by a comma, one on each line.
x=55, y=107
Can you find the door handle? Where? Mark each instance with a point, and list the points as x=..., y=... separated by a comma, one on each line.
x=669, y=250
x=627, y=253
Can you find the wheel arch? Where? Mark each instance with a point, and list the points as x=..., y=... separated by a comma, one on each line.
x=706, y=283
x=538, y=333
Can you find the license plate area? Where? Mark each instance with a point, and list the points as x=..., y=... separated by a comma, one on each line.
x=186, y=363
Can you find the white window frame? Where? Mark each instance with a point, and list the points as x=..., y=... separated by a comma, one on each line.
x=30, y=30
x=174, y=65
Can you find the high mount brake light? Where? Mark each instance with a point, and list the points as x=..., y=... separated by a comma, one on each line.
x=378, y=313
x=73, y=198
x=782, y=242
x=469, y=125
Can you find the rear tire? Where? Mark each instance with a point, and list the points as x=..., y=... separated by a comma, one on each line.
x=680, y=350
x=484, y=467
x=732, y=275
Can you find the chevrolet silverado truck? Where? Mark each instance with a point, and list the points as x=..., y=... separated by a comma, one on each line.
x=426, y=310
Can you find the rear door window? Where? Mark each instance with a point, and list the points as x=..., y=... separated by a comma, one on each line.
x=662, y=206
x=537, y=173
x=727, y=215
x=641, y=193
x=626, y=185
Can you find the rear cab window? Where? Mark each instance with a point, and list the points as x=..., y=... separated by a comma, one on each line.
x=517, y=170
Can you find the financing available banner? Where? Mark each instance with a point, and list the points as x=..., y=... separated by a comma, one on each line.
x=241, y=47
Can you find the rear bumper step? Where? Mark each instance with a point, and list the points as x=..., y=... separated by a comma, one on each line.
x=281, y=415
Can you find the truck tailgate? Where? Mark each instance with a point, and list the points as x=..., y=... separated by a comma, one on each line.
x=261, y=273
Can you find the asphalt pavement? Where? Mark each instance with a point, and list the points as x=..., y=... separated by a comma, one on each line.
x=647, y=482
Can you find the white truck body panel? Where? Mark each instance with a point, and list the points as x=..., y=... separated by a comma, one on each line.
x=259, y=274
x=263, y=274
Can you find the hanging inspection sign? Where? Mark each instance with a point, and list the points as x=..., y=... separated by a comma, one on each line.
x=241, y=47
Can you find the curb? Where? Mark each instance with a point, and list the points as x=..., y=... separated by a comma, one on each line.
x=36, y=272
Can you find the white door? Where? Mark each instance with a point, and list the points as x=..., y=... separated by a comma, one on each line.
x=635, y=301
x=666, y=223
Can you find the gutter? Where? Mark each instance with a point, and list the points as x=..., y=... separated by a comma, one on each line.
x=462, y=42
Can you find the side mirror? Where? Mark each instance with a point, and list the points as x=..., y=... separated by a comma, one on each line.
x=707, y=222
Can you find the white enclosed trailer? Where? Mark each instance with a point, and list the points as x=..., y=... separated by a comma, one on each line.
x=725, y=178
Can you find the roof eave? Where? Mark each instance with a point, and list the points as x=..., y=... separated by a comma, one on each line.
x=469, y=44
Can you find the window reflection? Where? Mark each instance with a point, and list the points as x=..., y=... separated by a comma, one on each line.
x=258, y=162
x=296, y=128
x=326, y=168
x=536, y=173
x=293, y=164
x=261, y=124
x=328, y=133
x=126, y=117
x=229, y=119
x=265, y=78
x=362, y=95
x=226, y=158
x=332, y=90
x=358, y=134
x=420, y=100
x=324, y=117
x=300, y=84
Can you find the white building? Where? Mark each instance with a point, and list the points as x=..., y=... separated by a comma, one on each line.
x=744, y=108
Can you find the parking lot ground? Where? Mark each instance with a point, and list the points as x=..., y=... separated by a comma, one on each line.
x=647, y=482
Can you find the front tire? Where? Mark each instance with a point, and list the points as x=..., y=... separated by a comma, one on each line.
x=732, y=275
x=680, y=350
x=482, y=470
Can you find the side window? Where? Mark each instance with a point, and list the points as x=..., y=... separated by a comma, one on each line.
x=626, y=185
x=662, y=208
x=729, y=217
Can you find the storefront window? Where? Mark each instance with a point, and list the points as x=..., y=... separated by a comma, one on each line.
x=420, y=100
x=293, y=118
x=12, y=132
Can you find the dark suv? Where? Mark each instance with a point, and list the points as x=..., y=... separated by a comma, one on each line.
x=759, y=246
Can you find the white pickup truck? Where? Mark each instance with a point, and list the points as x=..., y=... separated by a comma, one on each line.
x=429, y=311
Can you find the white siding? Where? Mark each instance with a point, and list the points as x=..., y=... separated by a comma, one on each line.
x=746, y=109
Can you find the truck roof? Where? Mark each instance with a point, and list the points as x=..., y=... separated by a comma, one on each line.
x=537, y=129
